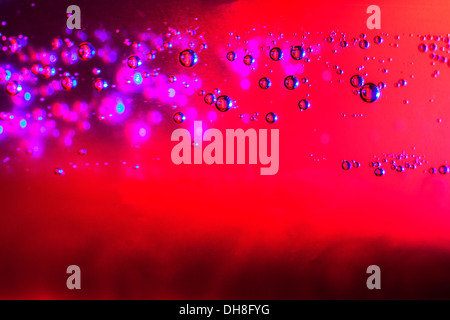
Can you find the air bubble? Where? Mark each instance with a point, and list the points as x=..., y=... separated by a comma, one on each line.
x=304, y=105
x=134, y=62
x=224, y=103
x=370, y=93
x=276, y=54
x=265, y=83
x=291, y=82
x=188, y=58
x=86, y=51
x=271, y=117
x=297, y=53
x=179, y=117
x=357, y=81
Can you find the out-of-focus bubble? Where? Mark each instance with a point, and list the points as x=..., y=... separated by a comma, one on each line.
x=59, y=172
x=69, y=83
x=48, y=71
x=13, y=88
x=36, y=69
x=188, y=58
x=265, y=83
x=224, y=103
x=86, y=51
x=100, y=84
x=291, y=82
x=370, y=93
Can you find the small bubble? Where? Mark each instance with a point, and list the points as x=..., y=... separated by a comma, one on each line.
x=188, y=58
x=231, y=56
x=423, y=47
x=346, y=165
x=179, y=117
x=100, y=84
x=13, y=88
x=379, y=172
x=224, y=103
x=364, y=44
x=378, y=40
x=86, y=51
x=444, y=169
x=357, y=81
x=304, y=105
x=69, y=83
x=134, y=62
x=291, y=82
x=210, y=98
x=59, y=172
x=265, y=83
x=271, y=117
x=276, y=54
x=249, y=60
x=297, y=52
x=82, y=152
x=370, y=93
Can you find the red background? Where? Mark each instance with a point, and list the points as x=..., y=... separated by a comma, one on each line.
x=226, y=232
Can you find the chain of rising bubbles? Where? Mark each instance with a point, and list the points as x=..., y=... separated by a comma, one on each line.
x=34, y=81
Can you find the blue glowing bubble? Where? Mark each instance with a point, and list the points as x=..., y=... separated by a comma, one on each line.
x=120, y=108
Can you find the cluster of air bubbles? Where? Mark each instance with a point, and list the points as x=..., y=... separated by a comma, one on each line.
x=347, y=165
x=69, y=82
x=13, y=88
